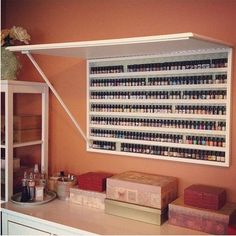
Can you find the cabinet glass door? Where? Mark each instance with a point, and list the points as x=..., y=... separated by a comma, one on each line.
x=27, y=135
x=24, y=132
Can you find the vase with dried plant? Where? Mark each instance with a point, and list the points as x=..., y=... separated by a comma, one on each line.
x=9, y=62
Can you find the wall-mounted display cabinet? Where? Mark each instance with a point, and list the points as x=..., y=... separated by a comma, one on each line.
x=163, y=97
x=24, y=132
x=169, y=107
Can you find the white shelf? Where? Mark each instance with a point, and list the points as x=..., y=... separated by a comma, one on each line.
x=148, y=156
x=25, y=144
x=162, y=144
x=161, y=101
x=3, y=146
x=160, y=87
x=149, y=45
x=1, y=201
x=160, y=115
x=23, y=86
x=15, y=145
x=160, y=129
x=158, y=73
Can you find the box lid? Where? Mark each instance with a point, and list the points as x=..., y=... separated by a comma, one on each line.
x=94, y=176
x=144, y=178
x=206, y=189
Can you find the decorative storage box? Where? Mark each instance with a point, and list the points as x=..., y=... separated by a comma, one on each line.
x=209, y=221
x=94, y=181
x=142, y=189
x=136, y=212
x=27, y=122
x=204, y=196
x=88, y=198
x=26, y=135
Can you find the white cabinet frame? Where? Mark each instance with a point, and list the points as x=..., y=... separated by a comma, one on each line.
x=9, y=88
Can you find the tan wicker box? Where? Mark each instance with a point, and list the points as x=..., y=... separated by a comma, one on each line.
x=87, y=198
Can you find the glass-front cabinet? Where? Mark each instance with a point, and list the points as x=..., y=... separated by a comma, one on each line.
x=24, y=132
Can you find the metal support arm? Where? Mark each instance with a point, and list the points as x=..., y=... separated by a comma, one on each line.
x=56, y=94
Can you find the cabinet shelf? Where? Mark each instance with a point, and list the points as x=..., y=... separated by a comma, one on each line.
x=160, y=87
x=160, y=129
x=25, y=144
x=160, y=101
x=163, y=144
x=160, y=115
x=148, y=156
x=158, y=73
x=15, y=145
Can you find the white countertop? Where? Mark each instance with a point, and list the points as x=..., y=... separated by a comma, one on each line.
x=92, y=220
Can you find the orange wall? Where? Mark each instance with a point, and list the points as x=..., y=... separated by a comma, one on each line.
x=3, y=15
x=75, y=20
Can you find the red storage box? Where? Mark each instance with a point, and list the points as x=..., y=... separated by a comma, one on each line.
x=204, y=196
x=205, y=220
x=94, y=181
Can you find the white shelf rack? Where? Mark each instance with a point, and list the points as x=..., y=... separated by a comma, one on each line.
x=160, y=73
x=160, y=115
x=159, y=87
x=164, y=158
x=161, y=144
x=127, y=51
x=98, y=143
x=160, y=101
x=160, y=129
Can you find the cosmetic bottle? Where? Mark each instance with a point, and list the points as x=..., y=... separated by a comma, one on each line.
x=31, y=187
x=25, y=190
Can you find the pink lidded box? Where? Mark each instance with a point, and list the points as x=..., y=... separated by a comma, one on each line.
x=88, y=198
x=142, y=189
x=205, y=220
